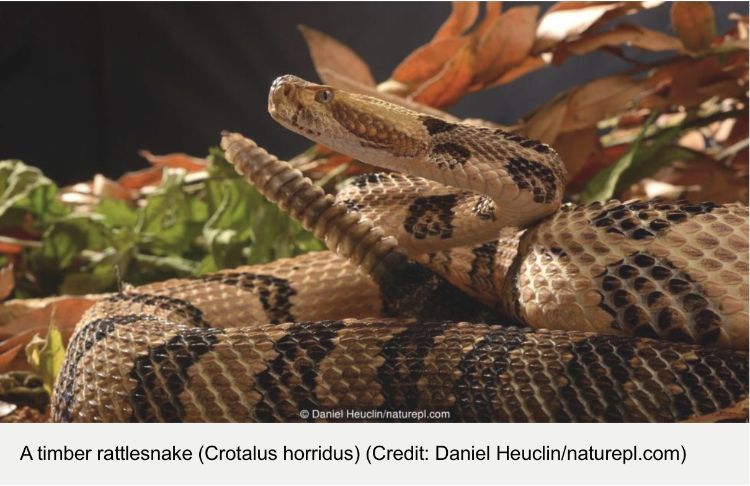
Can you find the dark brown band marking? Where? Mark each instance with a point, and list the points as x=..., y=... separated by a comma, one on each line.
x=161, y=375
x=300, y=352
x=404, y=364
x=436, y=125
x=431, y=216
x=648, y=297
x=83, y=341
x=449, y=154
x=274, y=293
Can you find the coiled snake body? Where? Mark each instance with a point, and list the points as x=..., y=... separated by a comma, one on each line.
x=463, y=286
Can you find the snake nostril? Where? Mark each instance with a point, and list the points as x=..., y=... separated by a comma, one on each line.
x=286, y=90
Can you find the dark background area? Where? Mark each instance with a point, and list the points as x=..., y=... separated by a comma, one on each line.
x=83, y=86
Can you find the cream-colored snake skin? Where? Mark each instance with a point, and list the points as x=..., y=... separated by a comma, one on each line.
x=462, y=287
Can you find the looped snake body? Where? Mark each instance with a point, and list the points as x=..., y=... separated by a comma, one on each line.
x=458, y=282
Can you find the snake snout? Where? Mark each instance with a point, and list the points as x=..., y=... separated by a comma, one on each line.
x=282, y=90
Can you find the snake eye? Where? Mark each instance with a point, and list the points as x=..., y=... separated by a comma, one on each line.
x=324, y=96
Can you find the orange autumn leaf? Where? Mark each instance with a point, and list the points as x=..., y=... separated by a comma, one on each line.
x=428, y=60
x=328, y=53
x=175, y=161
x=462, y=17
x=694, y=23
x=10, y=249
x=506, y=43
x=7, y=357
x=451, y=83
x=103, y=187
x=19, y=339
x=492, y=11
x=68, y=312
x=141, y=178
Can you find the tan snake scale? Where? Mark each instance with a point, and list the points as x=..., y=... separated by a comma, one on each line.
x=459, y=282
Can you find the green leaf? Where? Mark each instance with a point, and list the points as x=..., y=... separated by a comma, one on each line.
x=150, y=268
x=46, y=355
x=117, y=213
x=172, y=219
x=25, y=189
x=648, y=166
x=66, y=239
x=95, y=278
x=603, y=185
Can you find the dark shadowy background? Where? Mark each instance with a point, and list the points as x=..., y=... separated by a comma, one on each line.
x=83, y=86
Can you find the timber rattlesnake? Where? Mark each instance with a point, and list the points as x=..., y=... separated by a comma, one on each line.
x=643, y=304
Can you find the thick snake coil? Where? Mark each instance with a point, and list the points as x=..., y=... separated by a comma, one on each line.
x=463, y=287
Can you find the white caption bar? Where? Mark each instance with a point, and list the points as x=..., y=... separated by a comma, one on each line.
x=375, y=453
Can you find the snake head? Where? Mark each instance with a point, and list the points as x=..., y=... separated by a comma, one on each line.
x=367, y=128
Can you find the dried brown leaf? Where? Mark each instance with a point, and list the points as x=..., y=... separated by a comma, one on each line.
x=427, y=61
x=681, y=80
x=708, y=180
x=623, y=34
x=506, y=43
x=329, y=53
x=462, y=17
x=545, y=123
x=565, y=20
x=598, y=100
x=574, y=148
x=726, y=88
x=694, y=23
x=7, y=281
x=522, y=69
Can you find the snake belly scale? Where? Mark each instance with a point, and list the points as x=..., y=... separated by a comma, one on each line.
x=456, y=282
